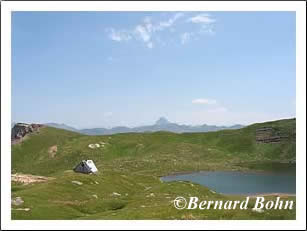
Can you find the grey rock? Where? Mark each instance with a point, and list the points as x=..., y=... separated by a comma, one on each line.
x=17, y=201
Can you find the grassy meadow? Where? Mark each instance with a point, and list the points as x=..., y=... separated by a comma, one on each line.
x=130, y=165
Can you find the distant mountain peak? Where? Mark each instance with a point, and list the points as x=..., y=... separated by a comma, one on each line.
x=162, y=121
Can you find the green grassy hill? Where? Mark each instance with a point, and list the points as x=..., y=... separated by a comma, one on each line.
x=131, y=164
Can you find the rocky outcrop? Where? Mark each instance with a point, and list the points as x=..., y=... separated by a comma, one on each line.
x=29, y=179
x=20, y=130
x=270, y=135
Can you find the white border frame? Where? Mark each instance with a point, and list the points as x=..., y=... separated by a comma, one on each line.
x=8, y=7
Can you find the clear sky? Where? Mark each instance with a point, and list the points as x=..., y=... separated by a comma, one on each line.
x=105, y=69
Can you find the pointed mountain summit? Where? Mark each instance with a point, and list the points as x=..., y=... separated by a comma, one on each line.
x=162, y=121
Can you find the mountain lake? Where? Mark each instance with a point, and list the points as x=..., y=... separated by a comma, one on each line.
x=244, y=183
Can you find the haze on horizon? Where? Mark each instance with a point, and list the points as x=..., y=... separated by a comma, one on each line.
x=107, y=69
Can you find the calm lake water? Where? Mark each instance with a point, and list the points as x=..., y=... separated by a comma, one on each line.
x=240, y=182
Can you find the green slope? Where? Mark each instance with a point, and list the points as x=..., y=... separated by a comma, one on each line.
x=131, y=164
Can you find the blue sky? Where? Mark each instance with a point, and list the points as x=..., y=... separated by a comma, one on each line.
x=105, y=69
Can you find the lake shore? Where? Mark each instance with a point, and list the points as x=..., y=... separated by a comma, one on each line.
x=272, y=194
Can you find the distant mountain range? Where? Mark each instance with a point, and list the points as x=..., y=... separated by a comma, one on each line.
x=161, y=124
